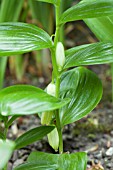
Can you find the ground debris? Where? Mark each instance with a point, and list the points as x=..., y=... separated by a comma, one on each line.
x=96, y=166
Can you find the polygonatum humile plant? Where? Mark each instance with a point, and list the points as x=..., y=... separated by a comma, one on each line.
x=73, y=92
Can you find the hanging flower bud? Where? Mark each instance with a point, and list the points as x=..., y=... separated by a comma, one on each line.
x=51, y=89
x=60, y=55
x=46, y=117
x=53, y=139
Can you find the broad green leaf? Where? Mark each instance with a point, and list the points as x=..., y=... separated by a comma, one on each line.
x=6, y=149
x=87, y=9
x=101, y=27
x=32, y=135
x=26, y=99
x=74, y=161
x=85, y=90
x=90, y=54
x=18, y=38
x=48, y=1
x=43, y=158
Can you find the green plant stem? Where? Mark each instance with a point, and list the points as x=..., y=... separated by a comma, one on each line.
x=5, y=134
x=57, y=23
x=57, y=86
x=58, y=124
x=55, y=69
x=57, y=75
x=6, y=127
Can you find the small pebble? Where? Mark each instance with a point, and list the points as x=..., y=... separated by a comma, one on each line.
x=98, y=156
x=17, y=162
x=14, y=129
x=15, y=156
x=109, y=152
x=109, y=165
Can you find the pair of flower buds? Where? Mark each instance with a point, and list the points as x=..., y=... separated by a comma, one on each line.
x=46, y=118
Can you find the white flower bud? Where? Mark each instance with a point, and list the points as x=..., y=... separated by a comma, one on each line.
x=46, y=117
x=53, y=139
x=51, y=89
x=60, y=55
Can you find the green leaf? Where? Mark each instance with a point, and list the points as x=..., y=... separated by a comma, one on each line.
x=32, y=136
x=25, y=99
x=18, y=38
x=6, y=149
x=85, y=90
x=33, y=166
x=101, y=27
x=74, y=161
x=87, y=9
x=49, y=1
x=90, y=54
x=43, y=158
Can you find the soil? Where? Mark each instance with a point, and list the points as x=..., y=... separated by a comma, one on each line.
x=93, y=134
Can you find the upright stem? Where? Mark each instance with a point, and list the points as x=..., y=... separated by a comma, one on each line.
x=58, y=124
x=56, y=75
x=57, y=23
x=5, y=135
x=5, y=127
